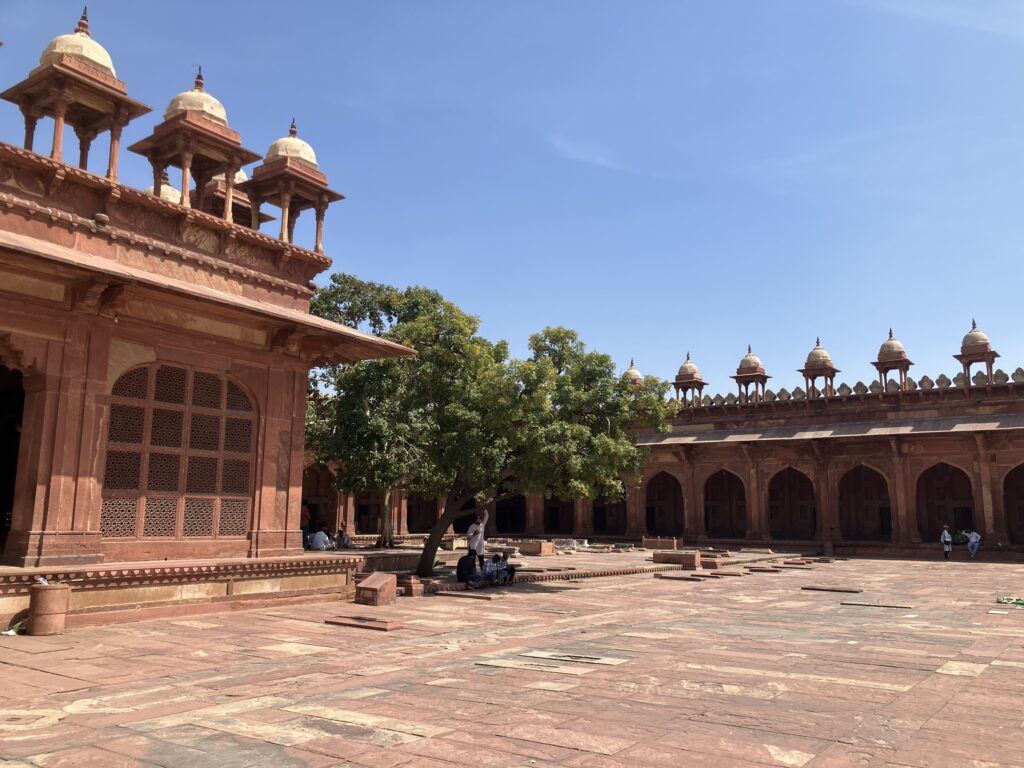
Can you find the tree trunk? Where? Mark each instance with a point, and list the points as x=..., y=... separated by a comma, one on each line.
x=385, y=529
x=451, y=514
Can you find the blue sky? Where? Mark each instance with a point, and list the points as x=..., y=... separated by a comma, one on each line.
x=660, y=175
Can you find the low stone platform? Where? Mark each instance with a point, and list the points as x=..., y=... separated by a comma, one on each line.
x=134, y=591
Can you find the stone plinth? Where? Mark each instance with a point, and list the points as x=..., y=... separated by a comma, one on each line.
x=536, y=548
x=689, y=560
x=377, y=589
x=654, y=542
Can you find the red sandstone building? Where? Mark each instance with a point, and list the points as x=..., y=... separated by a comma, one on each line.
x=154, y=345
x=865, y=468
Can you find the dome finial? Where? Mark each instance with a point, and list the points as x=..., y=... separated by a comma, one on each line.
x=750, y=351
x=817, y=341
x=974, y=325
x=293, y=131
x=83, y=23
x=890, y=333
x=631, y=363
x=199, y=79
x=687, y=356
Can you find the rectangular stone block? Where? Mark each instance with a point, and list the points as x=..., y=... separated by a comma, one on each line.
x=536, y=548
x=377, y=589
x=410, y=585
x=689, y=560
x=655, y=542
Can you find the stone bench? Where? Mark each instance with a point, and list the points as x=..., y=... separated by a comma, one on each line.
x=688, y=559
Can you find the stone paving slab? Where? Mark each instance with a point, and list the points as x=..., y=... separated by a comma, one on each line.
x=620, y=671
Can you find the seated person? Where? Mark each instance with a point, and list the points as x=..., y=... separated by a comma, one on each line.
x=321, y=540
x=343, y=540
x=465, y=570
x=489, y=573
x=508, y=570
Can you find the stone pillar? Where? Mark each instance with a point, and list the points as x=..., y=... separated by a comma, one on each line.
x=60, y=109
x=286, y=204
x=994, y=531
x=321, y=211
x=693, y=498
x=293, y=216
x=757, y=523
x=31, y=119
x=401, y=511
x=903, y=499
x=636, y=499
x=827, y=526
x=186, y=172
x=583, y=523
x=115, y=150
x=535, y=515
x=256, y=203
x=229, y=192
x=84, y=143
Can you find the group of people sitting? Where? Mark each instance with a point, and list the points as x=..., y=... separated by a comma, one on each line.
x=322, y=540
x=495, y=570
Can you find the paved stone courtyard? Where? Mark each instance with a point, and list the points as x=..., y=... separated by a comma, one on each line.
x=619, y=671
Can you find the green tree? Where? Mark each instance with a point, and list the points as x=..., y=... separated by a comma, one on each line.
x=460, y=419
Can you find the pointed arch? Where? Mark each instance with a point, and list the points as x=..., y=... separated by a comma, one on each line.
x=510, y=513
x=725, y=506
x=945, y=496
x=1013, y=501
x=865, y=509
x=664, y=513
x=792, y=511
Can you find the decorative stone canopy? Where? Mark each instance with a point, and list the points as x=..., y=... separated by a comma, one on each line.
x=688, y=384
x=215, y=196
x=634, y=376
x=819, y=365
x=892, y=357
x=976, y=348
x=289, y=178
x=750, y=371
x=75, y=85
x=167, y=192
x=195, y=137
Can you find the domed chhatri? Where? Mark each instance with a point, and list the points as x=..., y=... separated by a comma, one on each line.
x=166, y=191
x=79, y=45
x=291, y=146
x=76, y=86
x=634, y=376
x=197, y=101
x=819, y=365
x=688, y=384
x=240, y=176
x=892, y=357
x=975, y=341
x=750, y=371
x=976, y=348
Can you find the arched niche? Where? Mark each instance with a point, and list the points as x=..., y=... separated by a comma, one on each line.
x=792, y=512
x=945, y=496
x=664, y=512
x=725, y=506
x=865, y=510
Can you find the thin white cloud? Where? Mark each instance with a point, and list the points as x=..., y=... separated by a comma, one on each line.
x=587, y=152
x=994, y=17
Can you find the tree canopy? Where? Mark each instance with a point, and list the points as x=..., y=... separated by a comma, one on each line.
x=461, y=419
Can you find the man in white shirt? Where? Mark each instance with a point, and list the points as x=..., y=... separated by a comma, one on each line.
x=475, y=535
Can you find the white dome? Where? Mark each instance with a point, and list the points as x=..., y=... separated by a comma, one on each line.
x=291, y=146
x=634, y=376
x=167, y=192
x=891, y=349
x=818, y=356
x=239, y=177
x=974, y=338
x=197, y=100
x=750, y=361
x=81, y=46
x=689, y=368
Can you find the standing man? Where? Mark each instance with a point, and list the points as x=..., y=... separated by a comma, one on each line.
x=476, y=536
x=946, y=539
x=973, y=541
